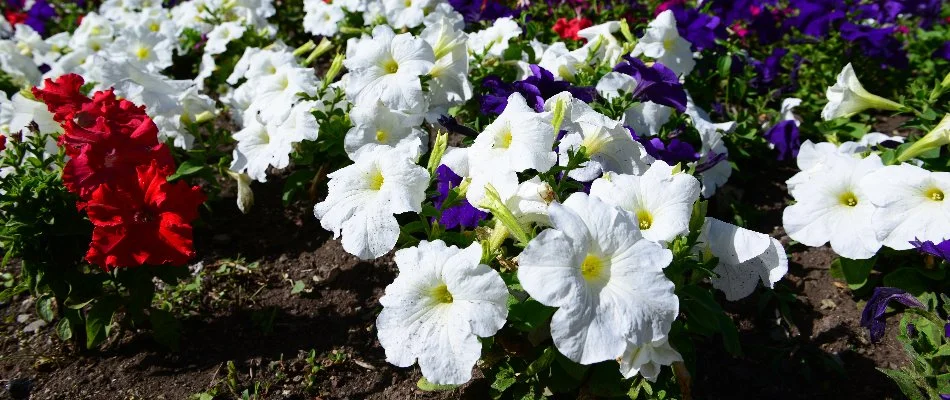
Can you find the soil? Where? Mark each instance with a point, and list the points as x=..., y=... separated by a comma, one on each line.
x=245, y=326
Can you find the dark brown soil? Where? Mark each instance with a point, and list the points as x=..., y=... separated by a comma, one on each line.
x=247, y=317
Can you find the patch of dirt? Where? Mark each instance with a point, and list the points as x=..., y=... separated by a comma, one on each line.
x=247, y=328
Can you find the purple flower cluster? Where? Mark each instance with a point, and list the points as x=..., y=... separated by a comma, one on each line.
x=655, y=83
x=481, y=10
x=700, y=29
x=37, y=15
x=878, y=43
x=536, y=88
x=461, y=214
x=872, y=317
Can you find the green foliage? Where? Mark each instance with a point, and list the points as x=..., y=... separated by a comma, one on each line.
x=924, y=338
x=43, y=230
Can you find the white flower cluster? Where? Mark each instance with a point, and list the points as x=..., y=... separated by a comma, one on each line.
x=127, y=44
x=269, y=109
x=846, y=196
x=599, y=258
x=858, y=204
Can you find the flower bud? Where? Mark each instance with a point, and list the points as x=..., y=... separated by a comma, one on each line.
x=936, y=138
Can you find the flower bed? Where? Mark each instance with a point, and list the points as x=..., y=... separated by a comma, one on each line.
x=513, y=200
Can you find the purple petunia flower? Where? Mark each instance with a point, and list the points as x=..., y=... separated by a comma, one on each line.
x=941, y=250
x=699, y=29
x=872, y=317
x=462, y=213
x=38, y=14
x=481, y=10
x=816, y=17
x=945, y=397
x=658, y=83
x=766, y=71
x=943, y=51
x=784, y=136
x=536, y=88
x=946, y=330
x=876, y=43
x=674, y=152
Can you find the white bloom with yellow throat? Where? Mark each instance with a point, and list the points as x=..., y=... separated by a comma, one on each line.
x=438, y=306
x=661, y=200
x=911, y=204
x=364, y=198
x=605, y=279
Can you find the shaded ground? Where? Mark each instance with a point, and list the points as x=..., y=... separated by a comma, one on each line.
x=246, y=330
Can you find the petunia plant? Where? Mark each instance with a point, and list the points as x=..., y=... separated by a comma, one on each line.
x=108, y=188
x=555, y=245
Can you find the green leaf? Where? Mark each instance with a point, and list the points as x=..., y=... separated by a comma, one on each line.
x=297, y=182
x=44, y=308
x=299, y=286
x=529, y=315
x=542, y=363
x=424, y=384
x=99, y=322
x=908, y=279
x=855, y=272
x=187, y=168
x=165, y=328
x=905, y=382
x=504, y=378
x=64, y=330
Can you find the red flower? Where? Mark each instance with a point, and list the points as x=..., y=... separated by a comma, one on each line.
x=14, y=17
x=567, y=29
x=148, y=222
x=62, y=96
x=3, y=142
x=106, y=138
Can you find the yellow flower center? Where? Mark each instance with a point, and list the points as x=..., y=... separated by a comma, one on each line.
x=441, y=294
x=504, y=140
x=391, y=66
x=849, y=199
x=934, y=194
x=645, y=219
x=154, y=27
x=142, y=53
x=272, y=69
x=592, y=268
x=382, y=136
x=668, y=44
x=376, y=180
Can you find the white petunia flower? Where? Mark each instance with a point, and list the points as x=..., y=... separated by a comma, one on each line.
x=450, y=84
x=615, y=84
x=438, y=306
x=376, y=125
x=647, y=359
x=848, y=97
x=364, y=197
x=261, y=146
x=21, y=69
x=322, y=19
x=405, y=13
x=713, y=168
x=275, y=95
x=663, y=42
x=647, y=118
x=745, y=258
x=608, y=145
x=911, y=203
x=94, y=33
x=600, y=38
x=493, y=40
x=141, y=46
x=835, y=207
x=387, y=68
x=518, y=140
x=661, y=200
x=815, y=159
x=605, y=279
